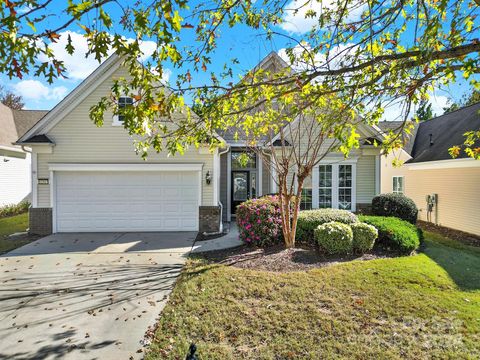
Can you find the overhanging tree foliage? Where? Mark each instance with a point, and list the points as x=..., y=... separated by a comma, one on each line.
x=11, y=100
x=361, y=54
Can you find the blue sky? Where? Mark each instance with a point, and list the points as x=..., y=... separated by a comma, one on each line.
x=243, y=43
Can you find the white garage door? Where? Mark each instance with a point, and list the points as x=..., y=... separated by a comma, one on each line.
x=126, y=201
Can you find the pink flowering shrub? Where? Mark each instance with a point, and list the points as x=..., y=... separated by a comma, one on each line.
x=259, y=221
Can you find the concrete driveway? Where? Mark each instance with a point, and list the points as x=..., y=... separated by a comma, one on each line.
x=86, y=296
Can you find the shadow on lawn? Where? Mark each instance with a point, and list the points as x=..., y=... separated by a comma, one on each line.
x=462, y=265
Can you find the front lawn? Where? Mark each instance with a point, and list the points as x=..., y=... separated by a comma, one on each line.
x=422, y=306
x=11, y=225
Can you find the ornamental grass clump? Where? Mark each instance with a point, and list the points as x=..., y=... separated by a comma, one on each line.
x=334, y=238
x=259, y=221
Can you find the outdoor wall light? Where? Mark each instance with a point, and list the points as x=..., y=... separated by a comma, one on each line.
x=208, y=178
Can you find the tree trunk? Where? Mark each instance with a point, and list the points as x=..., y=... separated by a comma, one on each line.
x=289, y=213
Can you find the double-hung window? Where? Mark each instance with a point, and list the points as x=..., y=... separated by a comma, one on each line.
x=325, y=186
x=306, y=200
x=123, y=102
x=345, y=187
x=398, y=184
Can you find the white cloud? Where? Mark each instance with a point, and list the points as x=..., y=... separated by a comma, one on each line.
x=166, y=74
x=78, y=67
x=337, y=57
x=396, y=110
x=297, y=22
x=36, y=91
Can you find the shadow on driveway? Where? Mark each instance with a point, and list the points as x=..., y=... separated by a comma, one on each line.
x=88, y=302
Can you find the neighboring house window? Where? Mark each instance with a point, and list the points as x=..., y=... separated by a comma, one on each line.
x=325, y=186
x=123, y=102
x=306, y=201
x=345, y=187
x=398, y=184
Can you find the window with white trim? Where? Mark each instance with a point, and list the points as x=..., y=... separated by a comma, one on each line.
x=397, y=185
x=306, y=200
x=335, y=185
x=325, y=186
x=345, y=187
x=123, y=102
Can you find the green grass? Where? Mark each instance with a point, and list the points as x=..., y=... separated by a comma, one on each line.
x=415, y=307
x=11, y=225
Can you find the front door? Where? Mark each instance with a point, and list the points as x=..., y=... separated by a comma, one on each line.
x=240, y=188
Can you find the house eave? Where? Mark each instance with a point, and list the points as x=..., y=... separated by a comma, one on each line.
x=444, y=164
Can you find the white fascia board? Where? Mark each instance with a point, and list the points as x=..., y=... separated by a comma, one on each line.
x=74, y=98
x=125, y=167
x=443, y=164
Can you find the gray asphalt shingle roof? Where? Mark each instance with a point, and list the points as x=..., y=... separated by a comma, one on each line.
x=15, y=123
x=434, y=137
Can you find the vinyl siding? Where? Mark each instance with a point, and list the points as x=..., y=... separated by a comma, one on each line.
x=78, y=140
x=365, y=179
x=365, y=167
x=15, y=184
x=265, y=178
x=458, y=192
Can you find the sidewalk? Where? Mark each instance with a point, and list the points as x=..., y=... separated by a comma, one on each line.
x=229, y=240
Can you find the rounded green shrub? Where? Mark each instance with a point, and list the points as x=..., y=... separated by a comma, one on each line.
x=309, y=220
x=334, y=238
x=395, y=233
x=259, y=221
x=364, y=236
x=397, y=205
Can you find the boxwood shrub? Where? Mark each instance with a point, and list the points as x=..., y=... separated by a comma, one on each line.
x=395, y=233
x=259, y=221
x=308, y=221
x=397, y=205
x=334, y=238
x=364, y=236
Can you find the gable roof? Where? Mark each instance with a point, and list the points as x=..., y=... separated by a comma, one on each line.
x=434, y=137
x=386, y=126
x=72, y=99
x=14, y=123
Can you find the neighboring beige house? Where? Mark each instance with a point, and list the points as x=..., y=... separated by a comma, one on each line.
x=15, y=175
x=90, y=179
x=428, y=169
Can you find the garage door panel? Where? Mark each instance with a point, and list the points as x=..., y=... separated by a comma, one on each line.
x=126, y=201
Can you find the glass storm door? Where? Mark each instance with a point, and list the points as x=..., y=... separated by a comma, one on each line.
x=240, y=188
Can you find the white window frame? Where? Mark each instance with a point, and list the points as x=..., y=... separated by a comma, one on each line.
x=335, y=172
x=301, y=200
x=317, y=171
x=403, y=184
x=115, y=120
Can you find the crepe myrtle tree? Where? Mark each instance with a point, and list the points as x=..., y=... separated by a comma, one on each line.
x=292, y=151
x=356, y=55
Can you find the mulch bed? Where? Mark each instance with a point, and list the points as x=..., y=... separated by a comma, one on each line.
x=463, y=237
x=279, y=259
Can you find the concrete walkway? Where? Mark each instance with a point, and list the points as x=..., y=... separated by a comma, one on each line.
x=229, y=240
x=86, y=296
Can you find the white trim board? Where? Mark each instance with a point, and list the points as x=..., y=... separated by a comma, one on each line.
x=443, y=164
x=125, y=167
